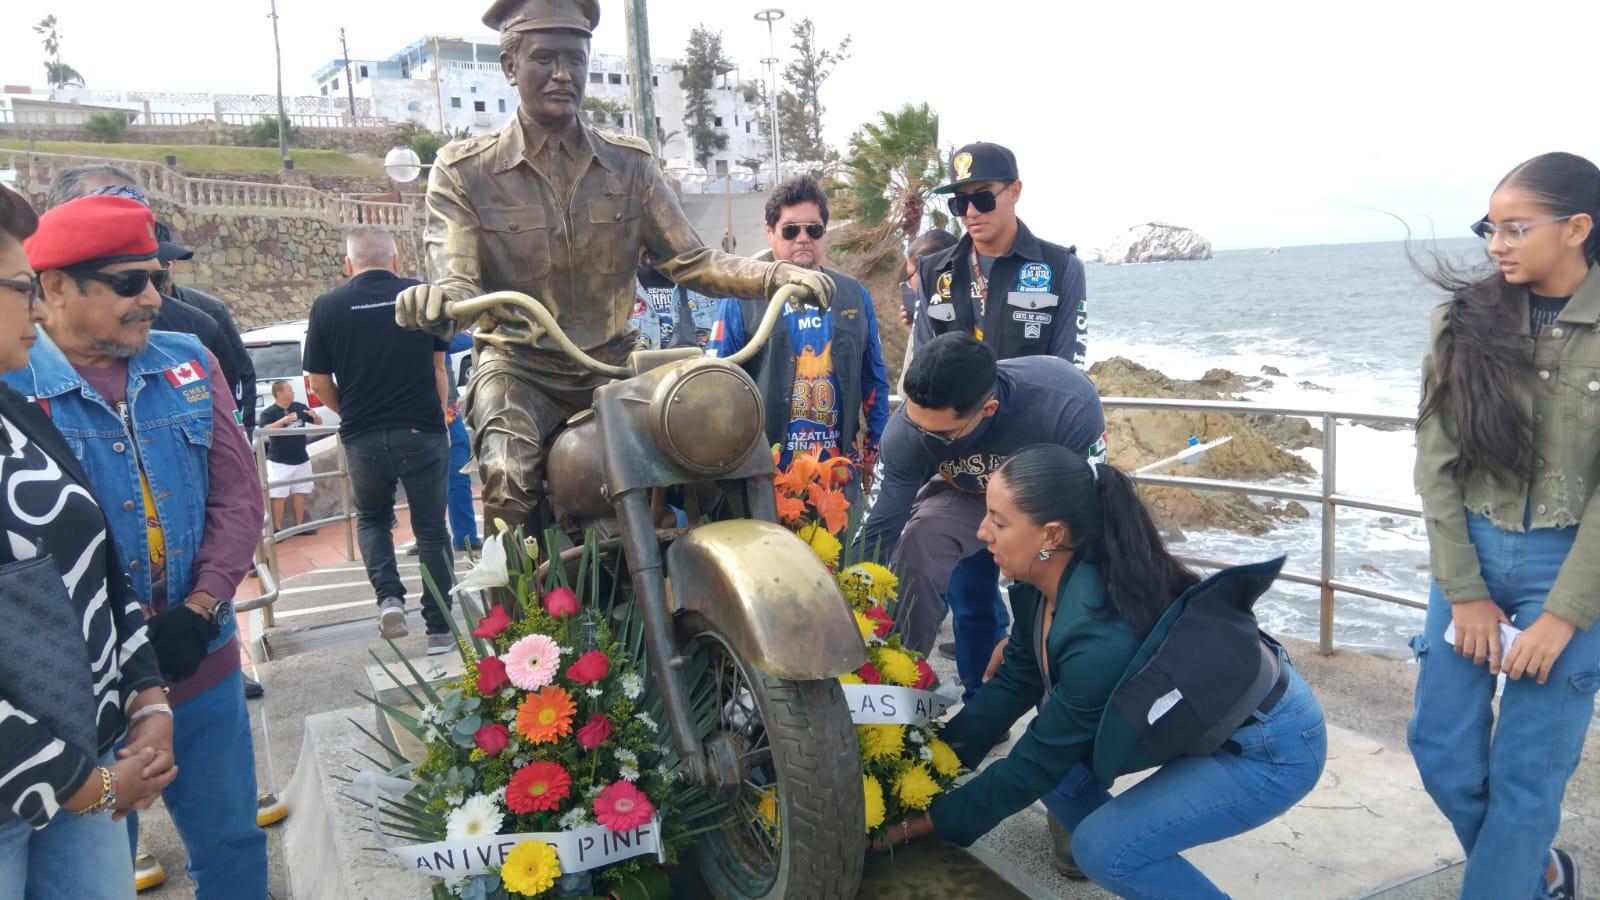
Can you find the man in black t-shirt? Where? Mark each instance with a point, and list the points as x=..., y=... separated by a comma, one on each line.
x=287, y=458
x=390, y=388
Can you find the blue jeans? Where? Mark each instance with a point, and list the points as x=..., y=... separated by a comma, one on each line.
x=1500, y=783
x=213, y=800
x=463, y=522
x=83, y=857
x=1129, y=844
x=979, y=616
x=419, y=460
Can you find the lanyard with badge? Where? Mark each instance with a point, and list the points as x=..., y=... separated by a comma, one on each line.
x=980, y=292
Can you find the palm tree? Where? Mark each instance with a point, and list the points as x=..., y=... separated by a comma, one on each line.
x=60, y=75
x=57, y=73
x=885, y=182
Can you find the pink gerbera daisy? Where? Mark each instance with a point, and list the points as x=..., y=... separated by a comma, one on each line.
x=531, y=663
x=623, y=807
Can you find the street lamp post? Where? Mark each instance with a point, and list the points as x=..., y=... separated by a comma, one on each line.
x=769, y=16
x=283, y=122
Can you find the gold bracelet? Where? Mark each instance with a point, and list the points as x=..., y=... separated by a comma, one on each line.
x=108, y=793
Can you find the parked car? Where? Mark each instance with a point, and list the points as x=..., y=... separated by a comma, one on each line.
x=278, y=352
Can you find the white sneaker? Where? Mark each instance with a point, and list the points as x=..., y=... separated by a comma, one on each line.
x=392, y=618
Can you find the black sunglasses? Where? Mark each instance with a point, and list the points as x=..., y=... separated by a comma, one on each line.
x=128, y=283
x=814, y=230
x=29, y=289
x=983, y=201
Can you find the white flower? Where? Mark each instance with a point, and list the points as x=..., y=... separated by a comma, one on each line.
x=506, y=693
x=916, y=735
x=454, y=798
x=575, y=818
x=627, y=773
x=490, y=571
x=595, y=693
x=632, y=686
x=649, y=722
x=509, y=715
x=626, y=757
x=454, y=885
x=479, y=817
x=925, y=754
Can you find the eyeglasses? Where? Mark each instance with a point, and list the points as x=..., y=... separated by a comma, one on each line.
x=1511, y=233
x=127, y=283
x=814, y=230
x=948, y=438
x=983, y=201
x=29, y=289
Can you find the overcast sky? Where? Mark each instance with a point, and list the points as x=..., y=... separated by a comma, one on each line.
x=1257, y=124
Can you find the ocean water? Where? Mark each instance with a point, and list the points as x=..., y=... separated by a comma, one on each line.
x=1347, y=325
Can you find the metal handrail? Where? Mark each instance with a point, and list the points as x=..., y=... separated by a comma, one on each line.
x=266, y=566
x=1327, y=496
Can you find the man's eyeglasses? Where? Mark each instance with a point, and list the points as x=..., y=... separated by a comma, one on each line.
x=127, y=283
x=1511, y=233
x=983, y=201
x=814, y=230
x=29, y=289
x=948, y=438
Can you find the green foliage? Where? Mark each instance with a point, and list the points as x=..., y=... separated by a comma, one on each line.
x=426, y=146
x=602, y=113
x=57, y=73
x=886, y=181
x=107, y=128
x=703, y=61
x=264, y=133
x=800, y=118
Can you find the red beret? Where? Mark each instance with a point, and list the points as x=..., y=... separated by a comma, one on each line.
x=101, y=230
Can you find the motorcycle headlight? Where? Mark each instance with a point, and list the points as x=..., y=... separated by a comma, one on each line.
x=707, y=416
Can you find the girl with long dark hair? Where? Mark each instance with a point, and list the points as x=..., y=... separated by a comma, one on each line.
x=1508, y=456
x=1095, y=586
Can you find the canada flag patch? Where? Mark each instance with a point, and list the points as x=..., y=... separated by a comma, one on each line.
x=188, y=373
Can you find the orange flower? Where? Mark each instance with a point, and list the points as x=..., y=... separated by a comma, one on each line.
x=803, y=470
x=790, y=509
x=546, y=717
x=831, y=506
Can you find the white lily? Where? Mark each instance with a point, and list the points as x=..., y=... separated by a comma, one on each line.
x=490, y=570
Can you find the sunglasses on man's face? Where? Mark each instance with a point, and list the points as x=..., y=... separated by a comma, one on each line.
x=127, y=283
x=814, y=230
x=983, y=201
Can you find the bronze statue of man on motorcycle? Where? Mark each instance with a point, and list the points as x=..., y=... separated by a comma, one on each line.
x=551, y=207
x=534, y=233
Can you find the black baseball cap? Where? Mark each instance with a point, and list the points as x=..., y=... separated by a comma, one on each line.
x=169, y=251
x=979, y=162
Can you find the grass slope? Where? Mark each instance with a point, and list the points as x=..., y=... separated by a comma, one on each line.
x=212, y=159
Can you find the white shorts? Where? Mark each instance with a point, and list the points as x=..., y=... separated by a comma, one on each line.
x=277, y=471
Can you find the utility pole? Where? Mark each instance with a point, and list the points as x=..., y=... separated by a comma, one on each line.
x=438, y=91
x=283, y=121
x=644, y=104
x=349, y=83
x=769, y=16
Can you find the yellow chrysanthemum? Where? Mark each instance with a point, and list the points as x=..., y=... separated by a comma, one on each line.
x=876, y=581
x=873, y=791
x=945, y=760
x=916, y=788
x=896, y=667
x=851, y=678
x=880, y=741
x=823, y=543
x=866, y=625
x=531, y=868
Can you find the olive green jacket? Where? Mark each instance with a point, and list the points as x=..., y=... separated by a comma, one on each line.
x=1562, y=400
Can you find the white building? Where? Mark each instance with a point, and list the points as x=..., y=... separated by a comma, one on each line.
x=449, y=83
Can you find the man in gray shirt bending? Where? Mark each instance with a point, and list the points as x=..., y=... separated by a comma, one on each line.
x=963, y=416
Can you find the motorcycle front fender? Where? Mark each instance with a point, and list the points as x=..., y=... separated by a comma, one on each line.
x=769, y=596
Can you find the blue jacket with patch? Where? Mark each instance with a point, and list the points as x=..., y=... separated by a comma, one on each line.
x=1034, y=304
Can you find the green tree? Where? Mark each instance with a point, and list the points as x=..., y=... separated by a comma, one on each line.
x=885, y=183
x=702, y=64
x=57, y=73
x=800, y=118
x=264, y=132
x=107, y=128
x=602, y=113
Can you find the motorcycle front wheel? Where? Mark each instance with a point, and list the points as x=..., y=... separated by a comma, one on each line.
x=795, y=828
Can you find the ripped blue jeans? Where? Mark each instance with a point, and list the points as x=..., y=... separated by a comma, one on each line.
x=1500, y=783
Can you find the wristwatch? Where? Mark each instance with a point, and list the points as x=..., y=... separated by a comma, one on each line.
x=108, y=793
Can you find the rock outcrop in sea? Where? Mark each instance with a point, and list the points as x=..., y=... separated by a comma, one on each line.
x=1152, y=242
x=1261, y=449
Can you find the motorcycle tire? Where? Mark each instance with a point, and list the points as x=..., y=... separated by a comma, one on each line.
x=804, y=836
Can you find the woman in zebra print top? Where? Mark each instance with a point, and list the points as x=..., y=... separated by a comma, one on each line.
x=60, y=804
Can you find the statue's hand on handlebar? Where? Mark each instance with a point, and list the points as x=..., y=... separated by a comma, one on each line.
x=817, y=284
x=421, y=307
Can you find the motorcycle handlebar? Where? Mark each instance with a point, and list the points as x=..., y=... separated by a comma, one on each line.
x=461, y=310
